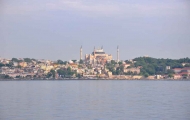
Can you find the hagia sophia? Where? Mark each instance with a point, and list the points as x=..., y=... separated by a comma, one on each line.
x=98, y=56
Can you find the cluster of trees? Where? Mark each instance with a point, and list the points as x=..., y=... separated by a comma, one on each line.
x=63, y=72
x=28, y=60
x=131, y=73
x=7, y=65
x=149, y=66
x=61, y=62
x=1, y=65
x=2, y=76
x=66, y=72
x=51, y=74
x=152, y=66
x=65, y=62
x=112, y=65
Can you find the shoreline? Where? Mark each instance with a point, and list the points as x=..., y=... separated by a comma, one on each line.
x=93, y=79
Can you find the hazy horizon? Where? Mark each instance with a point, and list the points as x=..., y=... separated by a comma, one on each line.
x=57, y=29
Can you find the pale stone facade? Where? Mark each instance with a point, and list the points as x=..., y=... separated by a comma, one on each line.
x=137, y=70
x=98, y=56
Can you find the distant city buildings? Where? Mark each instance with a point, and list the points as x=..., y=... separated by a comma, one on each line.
x=97, y=65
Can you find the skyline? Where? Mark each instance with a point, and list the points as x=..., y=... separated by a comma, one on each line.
x=82, y=56
x=56, y=30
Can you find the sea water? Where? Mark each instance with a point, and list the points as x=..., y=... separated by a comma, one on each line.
x=95, y=100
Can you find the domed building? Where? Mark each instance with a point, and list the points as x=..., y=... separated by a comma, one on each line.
x=98, y=56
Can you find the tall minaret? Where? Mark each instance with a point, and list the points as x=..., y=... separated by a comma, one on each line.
x=81, y=53
x=94, y=55
x=94, y=51
x=117, y=53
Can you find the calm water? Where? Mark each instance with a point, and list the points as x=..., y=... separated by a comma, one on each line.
x=95, y=100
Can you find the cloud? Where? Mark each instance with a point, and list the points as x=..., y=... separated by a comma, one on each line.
x=79, y=6
x=112, y=8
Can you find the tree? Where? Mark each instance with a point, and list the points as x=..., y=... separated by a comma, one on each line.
x=1, y=65
x=187, y=65
x=79, y=75
x=60, y=62
x=128, y=62
x=69, y=69
x=10, y=63
x=111, y=67
x=53, y=72
x=61, y=72
x=74, y=61
x=121, y=68
x=135, y=73
x=18, y=76
x=65, y=62
x=19, y=66
x=129, y=73
x=6, y=77
x=49, y=75
x=33, y=59
x=146, y=75
x=15, y=60
x=28, y=60
x=120, y=63
x=170, y=71
x=65, y=72
x=113, y=62
x=170, y=75
x=81, y=62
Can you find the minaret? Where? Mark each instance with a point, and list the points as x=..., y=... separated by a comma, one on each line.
x=94, y=55
x=117, y=53
x=94, y=51
x=81, y=53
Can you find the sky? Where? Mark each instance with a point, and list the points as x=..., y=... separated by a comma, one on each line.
x=56, y=29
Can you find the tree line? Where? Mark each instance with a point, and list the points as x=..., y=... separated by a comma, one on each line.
x=154, y=66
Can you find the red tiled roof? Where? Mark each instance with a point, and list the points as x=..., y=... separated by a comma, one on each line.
x=182, y=73
x=186, y=68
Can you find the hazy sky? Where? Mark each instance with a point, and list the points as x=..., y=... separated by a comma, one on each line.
x=55, y=29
